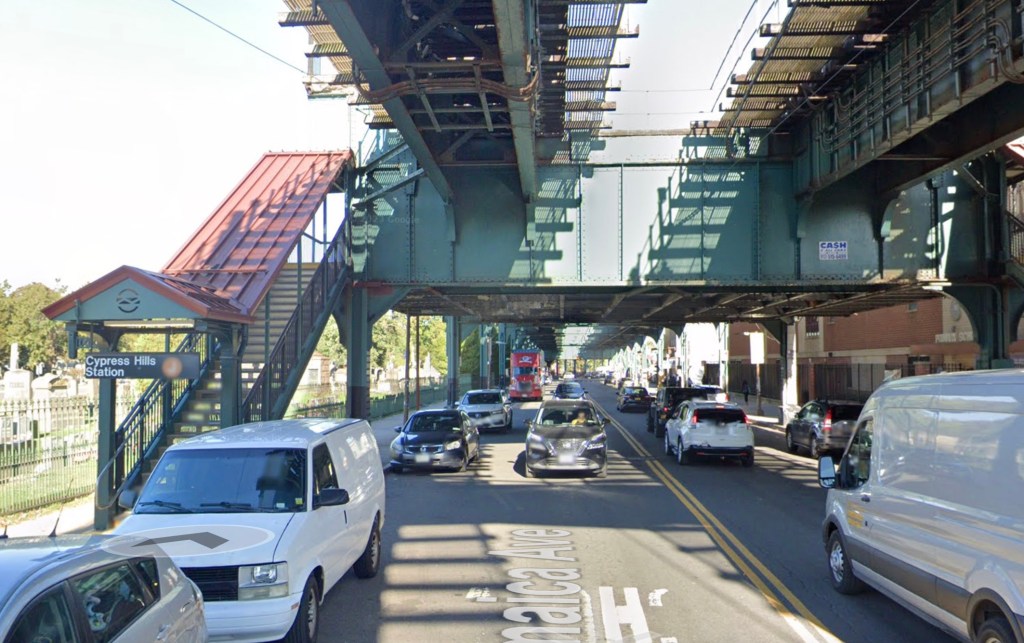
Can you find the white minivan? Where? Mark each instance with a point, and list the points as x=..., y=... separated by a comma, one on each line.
x=927, y=503
x=265, y=518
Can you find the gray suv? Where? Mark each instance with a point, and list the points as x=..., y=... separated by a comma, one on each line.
x=822, y=427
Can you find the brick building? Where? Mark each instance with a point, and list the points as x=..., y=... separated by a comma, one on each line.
x=850, y=356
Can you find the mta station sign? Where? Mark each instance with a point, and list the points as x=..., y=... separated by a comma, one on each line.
x=142, y=366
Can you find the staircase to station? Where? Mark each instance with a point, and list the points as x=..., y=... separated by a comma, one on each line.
x=238, y=259
x=271, y=318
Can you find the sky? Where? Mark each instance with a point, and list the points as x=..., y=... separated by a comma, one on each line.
x=124, y=123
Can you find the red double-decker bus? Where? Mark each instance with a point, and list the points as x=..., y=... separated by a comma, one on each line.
x=526, y=381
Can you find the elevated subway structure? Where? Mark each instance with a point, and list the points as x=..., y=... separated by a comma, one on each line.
x=862, y=161
x=813, y=194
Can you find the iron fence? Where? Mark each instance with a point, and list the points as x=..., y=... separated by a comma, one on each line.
x=323, y=401
x=47, y=452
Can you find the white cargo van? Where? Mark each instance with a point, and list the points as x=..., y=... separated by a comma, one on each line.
x=265, y=518
x=927, y=503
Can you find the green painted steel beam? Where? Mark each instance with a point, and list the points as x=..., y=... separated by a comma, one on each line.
x=345, y=23
x=513, y=41
x=940, y=91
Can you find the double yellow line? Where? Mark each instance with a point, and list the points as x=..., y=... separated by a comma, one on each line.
x=804, y=623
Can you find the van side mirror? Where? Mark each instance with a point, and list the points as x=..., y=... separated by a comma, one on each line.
x=826, y=472
x=331, y=498
x=127, y=499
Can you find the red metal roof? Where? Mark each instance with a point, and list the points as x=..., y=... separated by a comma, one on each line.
x=240, y=248
x=203, y=302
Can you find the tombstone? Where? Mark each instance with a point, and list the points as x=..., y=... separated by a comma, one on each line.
x=43, y=387
x=17, y=381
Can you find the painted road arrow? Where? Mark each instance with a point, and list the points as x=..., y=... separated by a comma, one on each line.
x=205, y=538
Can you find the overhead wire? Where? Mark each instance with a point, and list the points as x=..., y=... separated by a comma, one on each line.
x=236, y=36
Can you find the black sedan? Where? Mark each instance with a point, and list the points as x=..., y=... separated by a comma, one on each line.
x=567, y=435
x=441, y=439
x=633, y=398
x=569, y=391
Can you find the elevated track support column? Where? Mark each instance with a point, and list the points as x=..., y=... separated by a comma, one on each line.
x=453, y=344
x=357, y=327
x=106, y=448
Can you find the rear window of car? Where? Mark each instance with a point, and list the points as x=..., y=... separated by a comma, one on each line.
x=720, y=416
x=846, y=411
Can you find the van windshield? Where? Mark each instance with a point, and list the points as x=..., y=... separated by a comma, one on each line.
x=227, y=481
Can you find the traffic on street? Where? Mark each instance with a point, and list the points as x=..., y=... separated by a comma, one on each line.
x=713, y=551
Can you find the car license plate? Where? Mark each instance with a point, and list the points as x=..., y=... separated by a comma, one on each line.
x=422, y=458
x=566, y=458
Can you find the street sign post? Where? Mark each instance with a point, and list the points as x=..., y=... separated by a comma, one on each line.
x=757, y=358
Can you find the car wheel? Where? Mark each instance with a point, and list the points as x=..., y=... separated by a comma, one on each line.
x=602, y=472
x=816, y=451
x=682, y=455
x=668, y=445
x=790, y=445
x=397, y=468
x=995, y=629
x=840, y=568
x=650, y=424
x=307, y=620
x=528, y=472
x=748, y=460
x=368, y=563
x=659, y=430
x=465, y=459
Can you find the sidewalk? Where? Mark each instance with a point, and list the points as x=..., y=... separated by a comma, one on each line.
x=75, y=518
x=770, y=416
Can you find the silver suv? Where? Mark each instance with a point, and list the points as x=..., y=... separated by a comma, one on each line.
x=75, y=588
x=700, y=428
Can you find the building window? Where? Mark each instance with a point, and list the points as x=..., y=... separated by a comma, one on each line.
x=813, y=326
x=912, y=307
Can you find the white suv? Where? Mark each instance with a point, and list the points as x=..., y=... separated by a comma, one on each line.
x=712, y=429
x=265, y=518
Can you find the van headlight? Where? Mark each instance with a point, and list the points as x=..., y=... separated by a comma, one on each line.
x=451, y=445
x=262, y=581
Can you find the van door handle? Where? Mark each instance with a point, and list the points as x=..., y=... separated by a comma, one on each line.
x=162, y=633
x=864, y=497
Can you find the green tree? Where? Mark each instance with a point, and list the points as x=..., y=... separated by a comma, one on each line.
x=434, y=342
x=469, y=354
x=38, y=338
x=387, y=344
x=331, y=346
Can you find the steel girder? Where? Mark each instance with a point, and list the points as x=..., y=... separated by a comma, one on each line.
x=346, y=24
x=943, y=90
x=514, y=42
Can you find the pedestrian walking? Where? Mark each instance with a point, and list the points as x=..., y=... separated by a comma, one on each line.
x=746, y=391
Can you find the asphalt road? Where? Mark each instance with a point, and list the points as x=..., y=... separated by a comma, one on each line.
x=654, y=552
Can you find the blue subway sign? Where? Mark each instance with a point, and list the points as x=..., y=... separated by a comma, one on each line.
x=149, y=366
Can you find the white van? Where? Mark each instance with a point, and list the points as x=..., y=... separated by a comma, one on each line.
x=265, y=518
x=927, y=503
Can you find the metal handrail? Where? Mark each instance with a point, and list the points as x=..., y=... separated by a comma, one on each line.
x=279, y=376
x=143, y=428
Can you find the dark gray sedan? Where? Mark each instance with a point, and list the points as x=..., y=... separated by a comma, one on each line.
x=822, y=427
x=441, y=439
x=567, y=435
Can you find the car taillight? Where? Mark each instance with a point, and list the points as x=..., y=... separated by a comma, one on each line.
x=827, y=425
x=746, y=420
x=665, y=409
x=693, y=419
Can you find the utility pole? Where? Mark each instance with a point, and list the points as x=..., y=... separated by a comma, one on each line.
x=408, y=356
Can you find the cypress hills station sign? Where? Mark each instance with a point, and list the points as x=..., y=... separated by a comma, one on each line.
x=142, y=365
